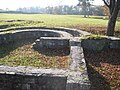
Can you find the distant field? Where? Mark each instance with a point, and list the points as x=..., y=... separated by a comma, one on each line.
x=92, y=24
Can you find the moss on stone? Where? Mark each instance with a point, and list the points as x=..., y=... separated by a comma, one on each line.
x=93, y=36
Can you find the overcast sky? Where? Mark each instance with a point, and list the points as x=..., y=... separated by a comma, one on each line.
x=14, y=4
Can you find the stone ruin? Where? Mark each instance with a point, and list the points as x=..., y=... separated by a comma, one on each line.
x=31, y=78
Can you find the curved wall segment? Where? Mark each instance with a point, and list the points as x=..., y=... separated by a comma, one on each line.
x=31, y=78
x=9, y=36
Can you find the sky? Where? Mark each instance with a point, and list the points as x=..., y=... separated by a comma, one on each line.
x=14, y=4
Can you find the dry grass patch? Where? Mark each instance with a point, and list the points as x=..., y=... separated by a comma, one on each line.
x=25, y=55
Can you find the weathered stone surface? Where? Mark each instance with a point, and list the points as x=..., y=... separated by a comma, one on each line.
x=114, y=43
x=24, y=82
x=35, y=78
x=51, y=43
x=102, y=44
x=24, y=35
x=95, y=45
x=78, y=80
x=79, y=86
x=6, y=37
x=31, y=78
x=73, y=32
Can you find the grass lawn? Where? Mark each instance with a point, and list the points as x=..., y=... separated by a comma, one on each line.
x=94, y=24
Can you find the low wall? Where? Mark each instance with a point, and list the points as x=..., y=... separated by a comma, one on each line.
x=11, y=81
x=25, y=35
x=31, y=78
x=73, y=32
x=51, y=43
x=102, y=44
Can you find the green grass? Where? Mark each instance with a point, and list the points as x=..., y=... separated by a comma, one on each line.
x=45, y=20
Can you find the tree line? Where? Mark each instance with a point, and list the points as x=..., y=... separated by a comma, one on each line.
x=62, y=9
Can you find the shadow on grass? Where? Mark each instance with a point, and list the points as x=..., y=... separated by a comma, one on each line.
x=6, y=48
x=111, y=56
x=54, y=52
x=100, y=75
x=98, y=82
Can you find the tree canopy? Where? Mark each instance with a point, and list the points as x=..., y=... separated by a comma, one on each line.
x=85, y=5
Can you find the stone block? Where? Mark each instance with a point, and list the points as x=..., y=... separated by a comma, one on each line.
x=51, y=43
x=115, y=43
x=24, y=82
x=95, y=45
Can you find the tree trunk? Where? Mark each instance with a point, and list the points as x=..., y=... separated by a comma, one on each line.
x=111, y=26
x=112, y=21
x=112, y=6
x=85, y=9
x=85, y=12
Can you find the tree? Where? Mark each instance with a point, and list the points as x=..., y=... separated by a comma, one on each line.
x=114, y=7
x=105, y=10
x=85, y=5
x=96, y=10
